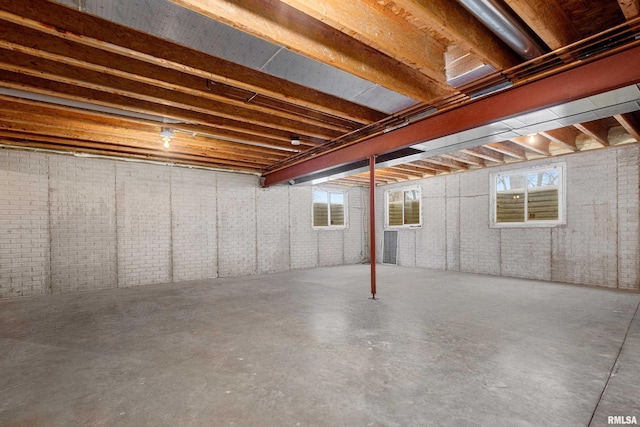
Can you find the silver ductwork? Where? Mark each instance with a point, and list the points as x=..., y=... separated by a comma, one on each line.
x=501, y=20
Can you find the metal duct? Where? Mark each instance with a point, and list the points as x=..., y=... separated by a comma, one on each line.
x=499, y=19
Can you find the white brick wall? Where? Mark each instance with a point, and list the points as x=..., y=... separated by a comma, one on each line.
x=431, y=242
x=194, y=224
x=526, y=253
x=479, y=244
x=304, y=240
x=452, y=221
x=144, y=224
x=356, y=236
x=585, y=251
x=330, y=247
x=599, y=245
x=272, y=209
x=83, y=224
x=24, y=224
x=628, y=218
x=237, y=224
x=72, y=224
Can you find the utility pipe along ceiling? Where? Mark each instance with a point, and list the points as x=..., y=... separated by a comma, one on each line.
x=299, y=91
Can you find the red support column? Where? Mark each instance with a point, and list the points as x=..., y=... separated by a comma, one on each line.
x=372, y=222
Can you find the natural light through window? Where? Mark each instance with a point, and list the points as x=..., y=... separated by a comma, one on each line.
x=328, y=209
x=403, y=208
x=529, y=197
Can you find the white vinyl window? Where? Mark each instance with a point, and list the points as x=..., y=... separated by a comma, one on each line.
x=329, y=210
x=403, y=208
x=528, y=197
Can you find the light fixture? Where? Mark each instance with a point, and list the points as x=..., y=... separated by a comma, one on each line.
x=295, y=140
x=167, y=135
x=532, y=138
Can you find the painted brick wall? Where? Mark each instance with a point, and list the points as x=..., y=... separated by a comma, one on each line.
x=526, y=253
x=585, y=251
x=479, y=244
x=598, y=246
x=272, y=209
x=24, y=224
x=452, y=222
x=144, y=224
x=304, y=240
x=194, y=224
x=330, y=247
x=72, y=224
x=83, y=224
x=237, y=232
x=628, y=217
x=431, y=242
x=357, y=235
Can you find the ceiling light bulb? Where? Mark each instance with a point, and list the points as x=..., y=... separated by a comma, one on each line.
x=295, y=140
x=532, y=139
x=166, y=144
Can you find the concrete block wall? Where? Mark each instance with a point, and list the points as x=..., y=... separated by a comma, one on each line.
x=628, y=213
x=24, y=224
x=237, y=232
x=599, y=245
x=194, y=224
x=82, y=211
x=274, y=235
x=143, y=206
x=72, y=224
x=356, y=237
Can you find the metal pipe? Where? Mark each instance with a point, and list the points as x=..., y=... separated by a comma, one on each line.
x=372, y=222
x=499, y=19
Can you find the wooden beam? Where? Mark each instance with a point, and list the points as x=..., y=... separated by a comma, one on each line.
x=485, y=153
x=630, y=8
x=589, y=78
x=410, y=171
x=58, y=21
x=97, y=97
x=432, y=165
x=630, y=123
x=536, y=143
x=508, y=148
x=563, y=137
x=448, y=162
x=28, y=106
x=465, y=158
x=595, y=130
x=392, y=174
x=382, y=30
x=548, y=20
x=454, y=23
x=16, y=43
x=60, y=144
x=283, y=25
x=45, y=69
x=138, y=154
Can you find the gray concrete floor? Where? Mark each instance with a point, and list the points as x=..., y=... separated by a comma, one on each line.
x=308, y=348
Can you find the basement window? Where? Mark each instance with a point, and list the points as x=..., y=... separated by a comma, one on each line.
x=403, y=208
x=329, y=210
x=529, y=197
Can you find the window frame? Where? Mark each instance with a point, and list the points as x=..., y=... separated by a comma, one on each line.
x=562, y=197
x=387, y=226
x=345, y=210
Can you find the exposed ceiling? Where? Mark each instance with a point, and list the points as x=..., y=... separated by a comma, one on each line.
x=423, y=85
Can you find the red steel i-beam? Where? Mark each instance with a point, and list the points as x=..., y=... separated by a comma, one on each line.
x=598, y=76
x=372, y=222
